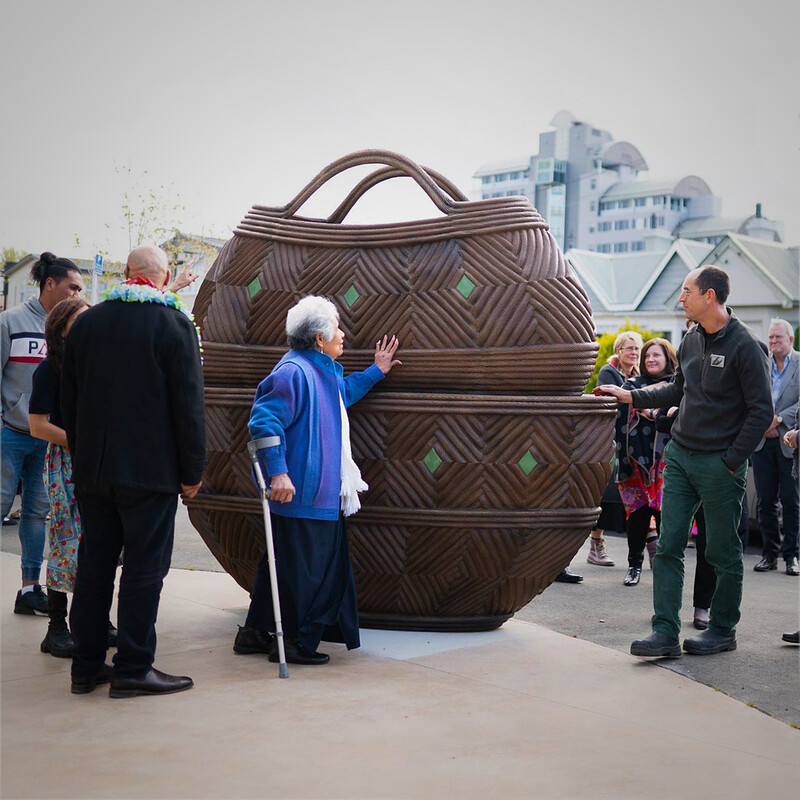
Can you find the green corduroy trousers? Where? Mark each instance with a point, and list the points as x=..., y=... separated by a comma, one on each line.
x=692, y=478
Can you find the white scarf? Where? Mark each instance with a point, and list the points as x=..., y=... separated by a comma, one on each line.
x=352, y=482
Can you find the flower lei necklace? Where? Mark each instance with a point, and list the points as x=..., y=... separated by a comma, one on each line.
x=143, y=290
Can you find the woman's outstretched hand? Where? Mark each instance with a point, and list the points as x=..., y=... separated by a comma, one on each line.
x=384, y=354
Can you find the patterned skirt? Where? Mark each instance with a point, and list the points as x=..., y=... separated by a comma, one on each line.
x=636, y=495
x=65, y=521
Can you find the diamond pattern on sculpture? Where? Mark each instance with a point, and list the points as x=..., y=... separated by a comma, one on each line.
x=527, y=463
x=351, y=295
x=432, y=460
x=254, y=287
x=465, y=287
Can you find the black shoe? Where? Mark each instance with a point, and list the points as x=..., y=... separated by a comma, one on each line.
x=792, y=638
x=656, y=645
x=112, y=634
x=88, y=683
x=34, y=602
x=58, y=641
x=9, y=521
x=792, y=567
x=709, y=642
x=565, y=576
x=252, y=640
x=152, y=682
x=766, y=564
x=700, y=623
x=297, y=654
x=632, y=578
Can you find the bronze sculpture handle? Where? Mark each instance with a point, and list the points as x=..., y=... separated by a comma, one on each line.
x=401, y=164
x=384, y=174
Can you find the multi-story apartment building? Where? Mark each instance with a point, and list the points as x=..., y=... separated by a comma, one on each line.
x=587, y=186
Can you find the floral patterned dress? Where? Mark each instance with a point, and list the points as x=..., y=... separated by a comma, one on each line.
x=64, y=532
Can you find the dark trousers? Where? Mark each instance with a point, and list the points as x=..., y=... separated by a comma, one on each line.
x=705, y=580
x=143, y=523
x=773, y=476
x=637, y=527
x=691, y=478
x=315, y=584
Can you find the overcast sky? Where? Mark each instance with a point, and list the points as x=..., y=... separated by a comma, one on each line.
x=235, y=103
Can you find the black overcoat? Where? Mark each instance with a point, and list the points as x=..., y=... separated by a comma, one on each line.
x=132, y=398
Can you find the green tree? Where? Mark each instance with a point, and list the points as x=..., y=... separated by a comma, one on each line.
x=147, y=215
x=10, y=255
x=606, y=342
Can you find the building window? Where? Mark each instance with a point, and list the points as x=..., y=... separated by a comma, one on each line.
x=608, y=205
x=640, y=201
x=604, y=226
x=661, y=222
x=503, y=176
x=591, y=229
x=592, y=205
x=513, y=176
x=604, y=248
x=657, y=201
x=637, y=246
x=511, y=194
x=621, y=225
x=486, y=179
x=624, y=203
x=593, y=184
x=621, y=247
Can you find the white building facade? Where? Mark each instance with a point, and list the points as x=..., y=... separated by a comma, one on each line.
x=588, y=187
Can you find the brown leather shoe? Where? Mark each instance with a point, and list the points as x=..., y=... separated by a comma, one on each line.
x=152, y=682
x=83, y=684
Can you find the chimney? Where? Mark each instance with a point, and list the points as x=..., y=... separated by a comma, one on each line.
x=758, y=210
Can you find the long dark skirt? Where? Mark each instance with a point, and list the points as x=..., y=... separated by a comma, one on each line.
x=315, y=584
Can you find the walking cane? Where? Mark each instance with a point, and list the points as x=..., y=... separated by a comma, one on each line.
x=253, y=448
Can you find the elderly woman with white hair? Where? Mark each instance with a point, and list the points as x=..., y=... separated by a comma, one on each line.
x=314, y=485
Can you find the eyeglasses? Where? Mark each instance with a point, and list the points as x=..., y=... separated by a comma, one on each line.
x=684, y=291
x=631, y=349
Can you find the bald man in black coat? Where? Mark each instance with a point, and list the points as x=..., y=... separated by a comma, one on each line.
x=133, y=407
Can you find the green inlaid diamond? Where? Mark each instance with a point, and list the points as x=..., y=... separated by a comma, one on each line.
x=527, y=463
x=351, y=295
x=254, y=287
x=432, y=461
x=465, y=287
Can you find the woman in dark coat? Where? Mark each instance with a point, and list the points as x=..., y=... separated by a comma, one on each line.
x=640, y=462
x=623, y=364
x=314, y=485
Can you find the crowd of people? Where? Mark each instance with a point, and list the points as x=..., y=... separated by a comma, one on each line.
x=719, y=407
x=77, y=381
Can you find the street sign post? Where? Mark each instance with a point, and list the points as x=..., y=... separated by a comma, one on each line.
x=96, y=272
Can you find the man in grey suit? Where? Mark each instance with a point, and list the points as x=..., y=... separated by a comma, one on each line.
x=772, y=460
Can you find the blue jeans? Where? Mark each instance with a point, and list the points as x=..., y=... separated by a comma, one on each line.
x=23, y=460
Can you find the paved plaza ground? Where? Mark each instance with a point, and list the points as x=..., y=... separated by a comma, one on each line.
x=535, y=709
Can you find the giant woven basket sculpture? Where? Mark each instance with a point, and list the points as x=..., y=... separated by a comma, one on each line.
x=485, y=462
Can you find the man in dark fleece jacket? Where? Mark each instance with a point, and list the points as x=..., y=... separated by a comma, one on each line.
x=722, y=389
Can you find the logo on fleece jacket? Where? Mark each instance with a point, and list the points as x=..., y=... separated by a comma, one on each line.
x=27, y=347
x=717, y=360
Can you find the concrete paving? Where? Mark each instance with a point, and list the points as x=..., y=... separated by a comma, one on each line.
x=764, y=671
x=522, y=712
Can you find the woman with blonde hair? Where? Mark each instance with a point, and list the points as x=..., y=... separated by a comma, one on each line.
x=622, y=364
